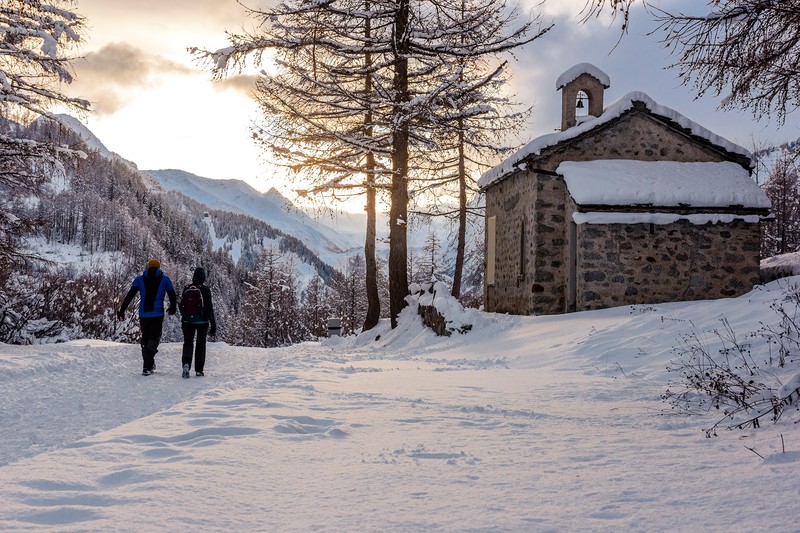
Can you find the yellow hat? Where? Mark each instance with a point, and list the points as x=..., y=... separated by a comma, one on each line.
x=154, y=263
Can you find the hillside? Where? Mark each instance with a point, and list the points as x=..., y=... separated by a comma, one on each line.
x=271, y=207
x=333, y=237
x=198, y=195
x=276, y=218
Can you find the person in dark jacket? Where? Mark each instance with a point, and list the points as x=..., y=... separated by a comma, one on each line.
x=152, y=286
x=201, y=325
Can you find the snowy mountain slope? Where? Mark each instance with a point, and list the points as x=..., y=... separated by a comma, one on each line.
x=305, y=268
x=524, y=424
x=321, y=246
x=91, y=139
x=331, y=237
x=271, y=207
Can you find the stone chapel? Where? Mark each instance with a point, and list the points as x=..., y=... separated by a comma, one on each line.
x=632, y=203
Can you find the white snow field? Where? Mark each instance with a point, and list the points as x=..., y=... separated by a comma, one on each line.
x=523, y=424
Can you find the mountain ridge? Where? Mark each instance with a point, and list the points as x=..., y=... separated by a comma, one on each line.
x=271, y=207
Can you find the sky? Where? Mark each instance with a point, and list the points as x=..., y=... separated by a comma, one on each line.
x=156, y=107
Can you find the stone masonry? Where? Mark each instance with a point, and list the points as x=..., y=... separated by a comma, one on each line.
x=513, y=206
x=619, y=264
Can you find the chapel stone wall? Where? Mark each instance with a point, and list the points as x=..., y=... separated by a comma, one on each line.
x=621, y=264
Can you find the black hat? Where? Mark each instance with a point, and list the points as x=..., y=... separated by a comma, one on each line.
x=199, y=276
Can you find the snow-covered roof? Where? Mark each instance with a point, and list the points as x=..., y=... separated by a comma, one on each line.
x=661, y=184
x=614, y=110
x=582, y=68
x=780, y=266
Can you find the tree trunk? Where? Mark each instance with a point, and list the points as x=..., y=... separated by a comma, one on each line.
x=398, y=211
x=462, y=213
x=784, y=217
x=371, y=264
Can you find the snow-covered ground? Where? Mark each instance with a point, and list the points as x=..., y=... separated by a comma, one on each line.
x=73, y=257
x=523, y=424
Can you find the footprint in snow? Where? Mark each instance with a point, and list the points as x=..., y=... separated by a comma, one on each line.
x=305, y=425
x=64, y=516
x=192, y=438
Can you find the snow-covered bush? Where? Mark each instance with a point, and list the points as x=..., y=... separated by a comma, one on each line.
x=48, y=306
x=23, y=319
x=87, y=304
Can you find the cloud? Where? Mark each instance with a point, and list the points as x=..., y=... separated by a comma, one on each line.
x=243, y=83
x=108, y=75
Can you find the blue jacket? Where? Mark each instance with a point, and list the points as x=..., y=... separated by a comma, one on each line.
x=152, y=286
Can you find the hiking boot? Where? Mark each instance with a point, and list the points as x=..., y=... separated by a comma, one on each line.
x=147, y=372
x=186, y=371
x=199, y=374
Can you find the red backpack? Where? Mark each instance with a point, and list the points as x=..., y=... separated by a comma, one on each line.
x=192, y=304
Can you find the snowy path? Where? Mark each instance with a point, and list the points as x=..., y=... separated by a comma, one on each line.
x=85, y=388
x=444, y=435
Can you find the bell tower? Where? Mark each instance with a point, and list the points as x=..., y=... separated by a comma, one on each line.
x=582, y=78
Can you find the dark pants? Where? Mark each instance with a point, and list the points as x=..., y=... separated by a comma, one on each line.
x=188, y=345
x=151, y=337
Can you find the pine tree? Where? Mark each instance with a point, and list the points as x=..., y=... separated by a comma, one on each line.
x=316, y=307
x=428, y=264
x=360, y=77
x=747, y=51
x=270, y=316
x=782, y=234
x=36, y=39
x=350, y=297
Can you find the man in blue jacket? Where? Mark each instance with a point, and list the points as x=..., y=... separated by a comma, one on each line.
x=152, y=286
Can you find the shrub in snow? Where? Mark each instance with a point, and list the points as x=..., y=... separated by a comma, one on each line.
x=23, y=304
x=438, y=309
x=51, y=306
x=718, y=370
x=784, y=337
